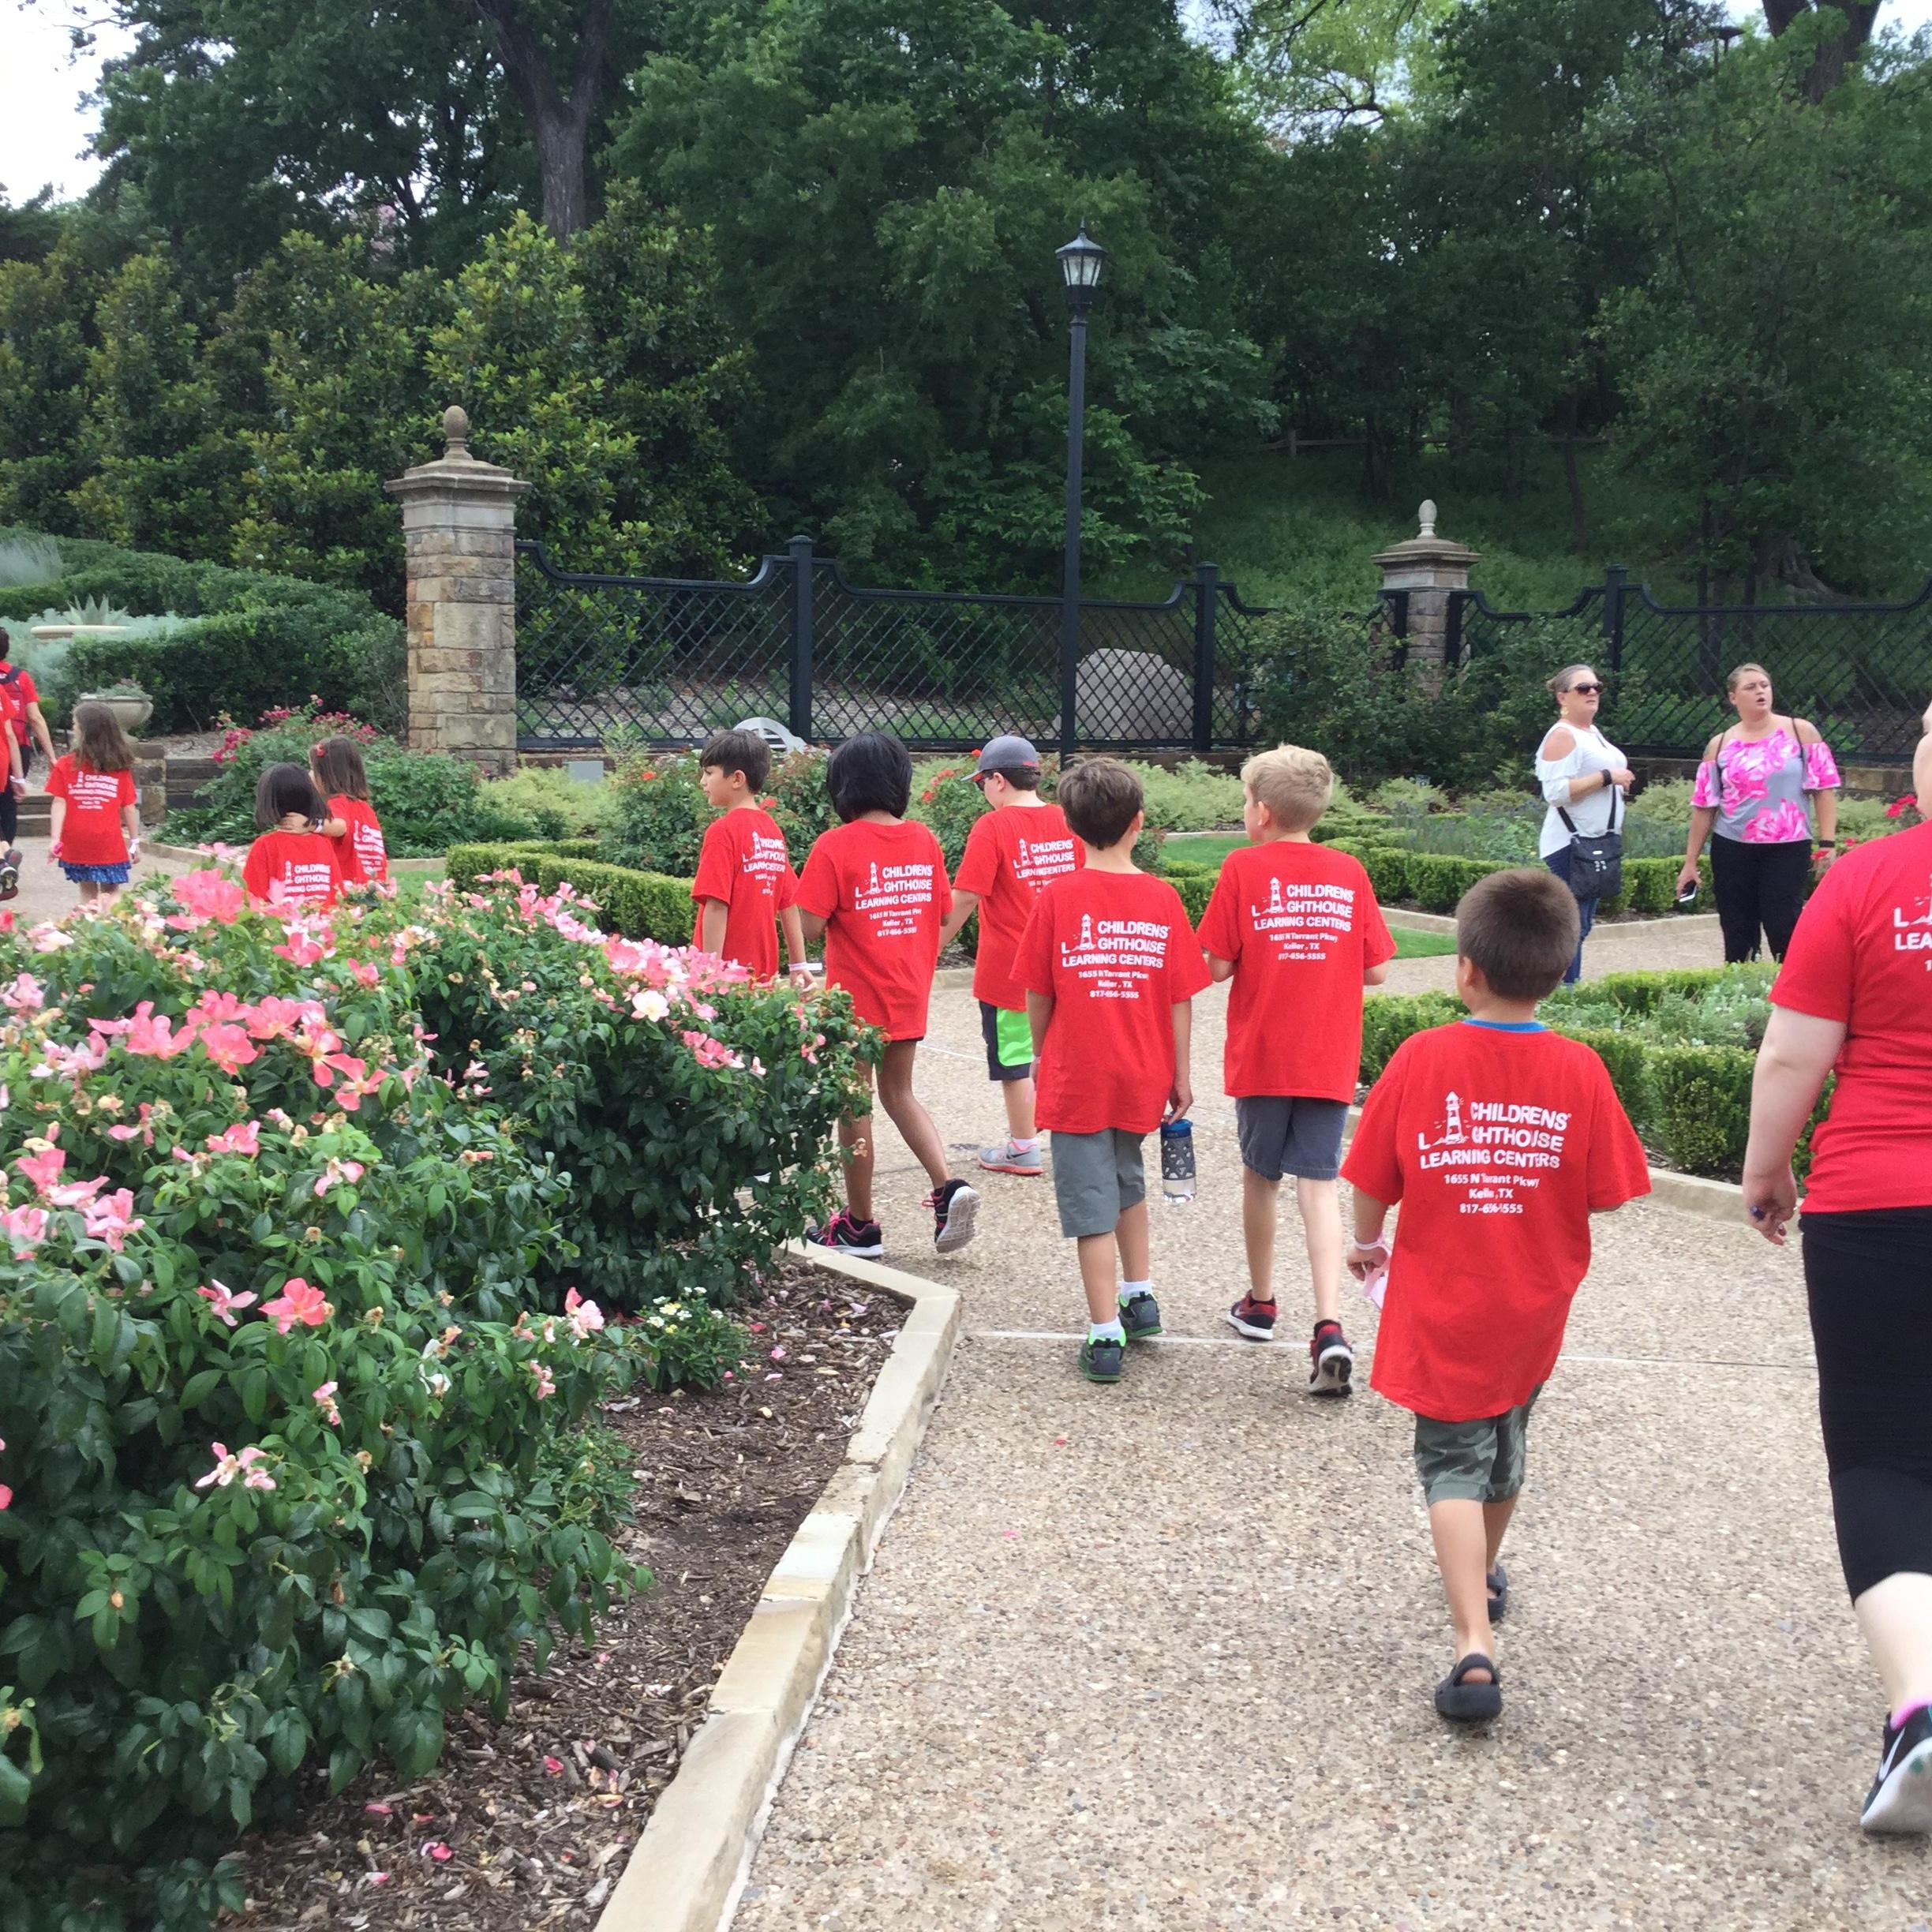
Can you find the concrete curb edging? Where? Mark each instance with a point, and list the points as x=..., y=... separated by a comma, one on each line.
x=1444, y=923
x=687, y=1869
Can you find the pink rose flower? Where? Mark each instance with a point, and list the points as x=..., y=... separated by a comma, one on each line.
x=224, y=1303
x=297, y=1303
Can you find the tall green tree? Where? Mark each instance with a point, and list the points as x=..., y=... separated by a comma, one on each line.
x=1776, y=367
x=887, y=189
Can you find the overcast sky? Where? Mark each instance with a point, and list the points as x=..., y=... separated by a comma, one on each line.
x=45, y=123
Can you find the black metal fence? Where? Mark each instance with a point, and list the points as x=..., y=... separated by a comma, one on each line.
x=669, y=660
x=1861, y=673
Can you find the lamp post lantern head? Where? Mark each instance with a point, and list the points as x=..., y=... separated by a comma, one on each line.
x=1080, y=269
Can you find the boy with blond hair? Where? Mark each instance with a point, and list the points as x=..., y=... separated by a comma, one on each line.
x=1296, y=928
x=1110, y=968
x=1500, y=1140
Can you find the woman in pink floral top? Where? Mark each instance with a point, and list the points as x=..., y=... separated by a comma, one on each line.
x=1753, y=801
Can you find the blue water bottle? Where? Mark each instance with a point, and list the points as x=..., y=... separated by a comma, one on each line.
x=1177, y=1146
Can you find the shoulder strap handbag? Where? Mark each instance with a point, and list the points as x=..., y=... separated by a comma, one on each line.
x=1596, y=860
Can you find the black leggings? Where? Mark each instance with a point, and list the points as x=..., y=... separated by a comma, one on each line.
x=1758, y=885
x=1868, y=1277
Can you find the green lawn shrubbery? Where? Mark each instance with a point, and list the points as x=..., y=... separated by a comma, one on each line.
x=424, y=800
x=251, y=640
x=1680, y=1047
x=292, y=1467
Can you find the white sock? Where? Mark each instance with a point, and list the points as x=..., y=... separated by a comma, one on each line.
x=1026, y=1146
x=1106, y=1331
x=1129, y=1289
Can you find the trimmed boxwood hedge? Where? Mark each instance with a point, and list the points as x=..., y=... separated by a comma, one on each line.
x=641, y=905
x=1691, y=1104
x=1435, y=882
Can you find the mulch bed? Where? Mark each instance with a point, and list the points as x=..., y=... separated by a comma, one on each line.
x=529, y=1823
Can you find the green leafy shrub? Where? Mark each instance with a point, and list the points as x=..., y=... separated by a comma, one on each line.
x=1192, y=797
x=1389, y=1018
x=245, y=638
x=1700, y=1111
x=691, y=1109
x=552, y=803
x=658, y=817
x=283, y=1480
x=799, y=802
x=424, y=800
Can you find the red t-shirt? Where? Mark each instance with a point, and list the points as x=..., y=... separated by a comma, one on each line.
x=743, y=862
x=1116, y=952
x=16, y=693
x=1862, y=954
x=93, y=834
x=881, y=889
x=302, y=864
x=1300, y=926
x=1010, y=854
x=360, y=852
x=1500, y=1144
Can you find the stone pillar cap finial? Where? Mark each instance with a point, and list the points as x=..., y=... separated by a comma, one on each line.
x=1425, y=516
x=456, y=433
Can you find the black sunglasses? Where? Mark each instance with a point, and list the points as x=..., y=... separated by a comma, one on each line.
x=1589, y=691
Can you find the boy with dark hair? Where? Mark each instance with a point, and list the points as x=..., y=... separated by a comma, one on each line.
x=1011, y=853
x=876, y=888
x=1296, y=928
x=1110, y=967
x=745, y=880
x=1500, y=1140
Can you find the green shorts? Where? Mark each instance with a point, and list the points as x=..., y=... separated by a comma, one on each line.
x=1008, y=1037
x=1478, y=1461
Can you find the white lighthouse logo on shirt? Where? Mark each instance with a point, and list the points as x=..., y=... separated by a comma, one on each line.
x=874, y=886
x=1086, y=938
x=1275, y=897
x=1912, y=927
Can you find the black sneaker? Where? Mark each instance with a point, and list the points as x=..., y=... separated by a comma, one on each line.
x=1100, y=1358
x=1331, y=1361
x=1901, y=1794
x=1140, y=1317
x=954, y=1207
x=1255, y=1320
x=845, y=1233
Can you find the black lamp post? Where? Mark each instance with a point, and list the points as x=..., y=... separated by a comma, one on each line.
x=1080, y=268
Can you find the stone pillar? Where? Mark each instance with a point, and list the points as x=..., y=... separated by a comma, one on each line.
x=1429, y=568
x=459, y=534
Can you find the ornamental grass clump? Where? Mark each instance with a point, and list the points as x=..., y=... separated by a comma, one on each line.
x=299, y=1335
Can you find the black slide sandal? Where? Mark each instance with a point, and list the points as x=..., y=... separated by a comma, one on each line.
x=1462, y=1703
x=1498, y=1580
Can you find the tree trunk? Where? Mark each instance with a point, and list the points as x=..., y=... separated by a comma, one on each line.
x=560, y=124
x=1834, y=56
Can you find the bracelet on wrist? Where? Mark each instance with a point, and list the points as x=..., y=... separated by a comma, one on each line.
x=1829, y=844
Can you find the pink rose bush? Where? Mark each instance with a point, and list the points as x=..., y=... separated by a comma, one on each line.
x=300, y=1319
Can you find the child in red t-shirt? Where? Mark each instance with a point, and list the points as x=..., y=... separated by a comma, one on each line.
x=96, y=833
x=291, y=864
x=1296, y=928
x=1500, y=1140
x=875, y=886
x=352, y=827
x=1110, y=966
x=1011, y=853
x=745, y=883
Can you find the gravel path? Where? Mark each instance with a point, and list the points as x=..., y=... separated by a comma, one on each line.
x=1160, y=1656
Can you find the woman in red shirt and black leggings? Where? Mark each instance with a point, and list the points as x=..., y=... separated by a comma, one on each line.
x=1855, y=997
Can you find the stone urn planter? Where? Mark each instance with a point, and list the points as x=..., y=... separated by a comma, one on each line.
x=129, y=703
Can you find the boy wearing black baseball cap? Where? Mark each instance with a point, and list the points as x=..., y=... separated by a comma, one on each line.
x=1011, y=853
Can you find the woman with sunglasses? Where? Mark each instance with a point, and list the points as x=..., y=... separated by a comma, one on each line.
x=1584, y=778
x=1759, y=784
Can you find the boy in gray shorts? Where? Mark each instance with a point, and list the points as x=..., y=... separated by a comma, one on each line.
x=1110, y=967
x=1296, y=928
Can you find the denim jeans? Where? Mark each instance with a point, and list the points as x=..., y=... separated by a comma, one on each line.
x=1559, y=863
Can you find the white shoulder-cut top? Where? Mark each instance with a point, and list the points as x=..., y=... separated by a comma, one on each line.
x=1591, y=752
